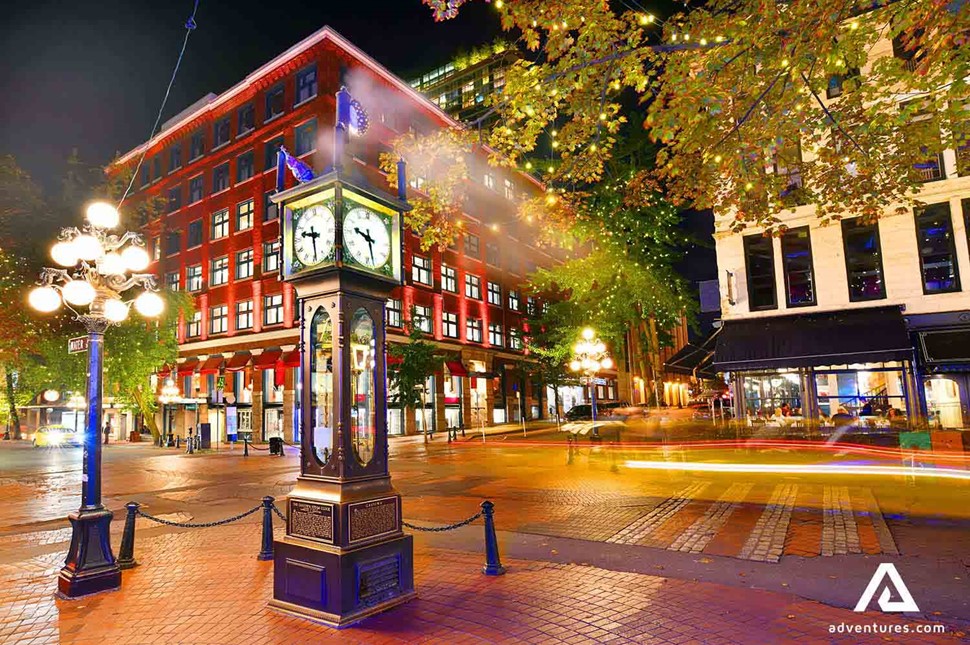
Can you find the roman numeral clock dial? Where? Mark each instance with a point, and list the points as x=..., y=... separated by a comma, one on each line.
x=367, y=238
x=313, y=235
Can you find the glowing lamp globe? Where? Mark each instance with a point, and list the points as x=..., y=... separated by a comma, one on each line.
x=607, y=363
x=575, y=365
x=79, y=293
x=136, y=258
x=112, y=264
x=102, y=215
x=599, y=348
x=51, y=395
x=64, y=254
x=115, y=310
x=45, y=299
x=588, y=333
x=149, y=304
x=87, y=247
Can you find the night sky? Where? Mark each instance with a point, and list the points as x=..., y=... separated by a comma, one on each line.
x=91, y=74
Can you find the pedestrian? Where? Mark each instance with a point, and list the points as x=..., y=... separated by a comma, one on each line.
x=107, y=431
x=190, y=447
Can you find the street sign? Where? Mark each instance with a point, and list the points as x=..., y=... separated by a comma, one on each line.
x=77, y=345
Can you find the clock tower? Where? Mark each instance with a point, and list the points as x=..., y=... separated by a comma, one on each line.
x=344, y=556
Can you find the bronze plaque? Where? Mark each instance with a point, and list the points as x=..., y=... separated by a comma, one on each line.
x=310, y=520
x=372, y=519
x=378, y=580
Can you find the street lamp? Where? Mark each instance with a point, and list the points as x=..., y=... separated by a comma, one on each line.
x=97, y=267
x=169, y=394
x=589, y=357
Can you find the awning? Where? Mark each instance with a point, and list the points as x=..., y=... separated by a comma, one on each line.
x=212, y=365
x=456, y=368
x=945, y=350
x=291, y=359
x=238, y=362
x=482, y=375
x=695, y=359
x=188, y=367
x=267, y=360
x=808, y=340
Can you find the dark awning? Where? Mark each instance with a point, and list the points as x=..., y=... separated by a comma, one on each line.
x=267, y=359
x=807, y=340
x=238, y=361
x=212, y=364
x=945, y=350
x=456, y=368
x=695, y=359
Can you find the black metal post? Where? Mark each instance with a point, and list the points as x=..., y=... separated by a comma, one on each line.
x=493, y=567
x=126, y=555
x=90, y=566
x=245, y=446
x=266, y=551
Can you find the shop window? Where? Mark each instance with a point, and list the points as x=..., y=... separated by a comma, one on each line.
x=863, y=260
x=759, y=261
x=796, y=255
x=773, y=396
x=937, y=249
x=872, y=398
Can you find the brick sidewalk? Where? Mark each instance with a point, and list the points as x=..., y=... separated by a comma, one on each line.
x=205, y=586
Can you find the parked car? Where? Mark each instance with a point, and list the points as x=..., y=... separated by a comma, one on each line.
x=55, y=437
x=584, y=412
x=723, y=409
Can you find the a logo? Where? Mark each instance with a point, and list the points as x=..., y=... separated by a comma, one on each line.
x=905, y=603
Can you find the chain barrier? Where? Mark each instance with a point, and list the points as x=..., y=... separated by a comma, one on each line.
x=255, y=447
x=449, y=527
x=198, y=525
x=279, y=513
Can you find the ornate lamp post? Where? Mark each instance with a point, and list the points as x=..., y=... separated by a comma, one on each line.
x=98, y=266
x=169, y=394
x=589, y=357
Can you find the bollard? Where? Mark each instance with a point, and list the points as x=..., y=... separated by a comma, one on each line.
x=126, y=555
x=266, y=552
x=493, y=567
x=245, y=446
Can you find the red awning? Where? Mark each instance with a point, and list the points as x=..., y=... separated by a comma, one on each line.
x=394, y=360
x=238, y=362
x=267, y=360
x=291, y=359
x=188, y=367
x=212, y=364
x=456, y=368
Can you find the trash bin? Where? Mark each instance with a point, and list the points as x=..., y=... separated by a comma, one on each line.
x=276, y=446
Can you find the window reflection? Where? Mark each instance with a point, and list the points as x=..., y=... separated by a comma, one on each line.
x=321, y=384
x=362, y=361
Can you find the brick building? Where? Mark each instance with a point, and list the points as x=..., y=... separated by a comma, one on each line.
x=218, y=237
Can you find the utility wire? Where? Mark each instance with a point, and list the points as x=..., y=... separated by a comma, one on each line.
x=190, y=26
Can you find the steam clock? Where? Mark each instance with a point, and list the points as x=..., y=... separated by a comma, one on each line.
x=344, y=555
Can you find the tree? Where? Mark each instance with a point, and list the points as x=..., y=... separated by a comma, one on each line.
x=415, y=364
x=549, y=348
x=23, y=213
x=733, y=88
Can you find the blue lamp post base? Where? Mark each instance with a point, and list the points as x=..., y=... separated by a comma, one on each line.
x=91, y=566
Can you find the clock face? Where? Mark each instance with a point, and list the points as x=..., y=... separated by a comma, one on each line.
x=313, y=235
x=367, y=238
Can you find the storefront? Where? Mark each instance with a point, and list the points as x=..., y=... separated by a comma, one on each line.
x=829, y=370
x=943, y=343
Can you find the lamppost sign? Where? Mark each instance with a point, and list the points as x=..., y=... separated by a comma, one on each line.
x=77, y=345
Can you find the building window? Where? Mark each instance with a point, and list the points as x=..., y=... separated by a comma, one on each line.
x=274, y=101
x=530, y=305
x=193, y=278
x=172, y=281
x=393, y=309
x=271, y=256
x=421, y=270
x=306, y=84
x=244, y=264
x=495, y=335
x=244, y=215
x=220, y=224
x=306, y=137
x=157, y=166
x=269, y=152
x=863, y=260
x=473, y=286
x=196, y=145
x=937, y=249
x=515, y=338
x=220, y=133
x=219, y=319
x=193, y=328
x=796, y=257
x=273, y=309
x=449, y=279
x=509, y=189
x=196, y=189
x=219, y=271
x=156, y=248
x=244, y=314
x=270, y=210
x=759, y=261
x=220, y=178
x=175, y=157
x=174, y=199
x=513, y=300
x=924, y=127
x=247, y=119
x=422, y=318
x=473, y=330
x=489, y=180
x=244, y=166
x=146, y=175
x=173, y=243
x=449, y=325
x=494, y=294
x=492, y=255
x=472, y=245
x=194, y=234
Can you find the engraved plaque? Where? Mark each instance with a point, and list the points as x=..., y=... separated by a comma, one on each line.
x=378, y=580
x=373, y=519
x=310, y=520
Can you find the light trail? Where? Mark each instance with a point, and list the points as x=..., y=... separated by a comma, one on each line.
x=801, y=469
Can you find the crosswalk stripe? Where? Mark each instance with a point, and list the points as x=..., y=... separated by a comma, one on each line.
x=645, y=526
x=703, y=530
x=767, y=540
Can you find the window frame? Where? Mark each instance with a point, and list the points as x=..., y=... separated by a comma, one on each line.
x=449, y=324
x=241, y=261
x=496, y=335
x=250, y=109
x=473, y=330
x=276, y=90
x=422, y=318
x=449, y=278
x=300, y=77
x=222, y=224
x=221, y=123
x=240, y=214
x=198, y=180
x=747, y=241
x=811, y=268
x=251, y=156
x=271, y=249
x=497, y=292
x=189, y=237
x=213, y=318
x=193, y=275
x=248, y=313
x=853, y=221
x=197, y=137
x=219, y=271
x=300, y=133
x=393, y=312
x=270, y=305
x=219, y=172
x=473, y=286
x=418, y=270
x=954, y=261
